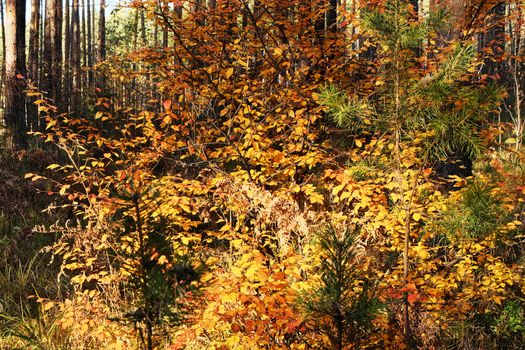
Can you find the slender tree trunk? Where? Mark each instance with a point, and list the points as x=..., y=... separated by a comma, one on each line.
x=135, y=29
x=165, y=27
x=415, y=6
x=196, y=9
x=89, y=46
x=34, y=34
x=143, y=28
x=93, y=33
x=131, y=92
x=49, y=48
x=2, y=72
x=102, y=32
x=84, y=37
x=331, y=16
x=494, y=39
x=52, y=52
x=41, y=43
x=156, y=31
x=75, y=56
x=515, y=69
x=57, y=65
x=178, y=10
x=67, y=55
x=15, y=115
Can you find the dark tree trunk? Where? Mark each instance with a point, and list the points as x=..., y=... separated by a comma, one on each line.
x=135, y=29
x=156, y=31
x=57, y=65
x=52, y=57
x=49, y=49
x=142, y=28
x=75, y=56
x=67, y=55
x=415, y=6
x=493, y=40
x=163, y=7
x=196, y=9
x=89, y=45
x=15, y=114
x=331, y=16
x=2, y=72
x=102, y=32
x=84, y=42
x=178, y=11
x=34, y=36
x=93, y=33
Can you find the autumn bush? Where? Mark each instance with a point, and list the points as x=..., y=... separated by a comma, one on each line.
x=272, y=185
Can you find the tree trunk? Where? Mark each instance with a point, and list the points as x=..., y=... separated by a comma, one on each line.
x=57, y=65
x=494, y=40
x=516, y=72
x=93, y=32
x=51, y=77
x=143, y=28
x=415, y=6
x=156, y=30
x=89, y=45
x=102, y=32
x=15, y=61
x=84, y=41
x=196, y=9
x=331, y=16
x=163, y=7
x=34, y=34
x=135, y=29
x=67, y=56
x=49, y=49
x=75, y=56
x=2, y=72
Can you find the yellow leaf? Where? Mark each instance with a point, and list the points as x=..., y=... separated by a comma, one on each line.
x=48, y=305
x=416, y=216
x=229, y=72
x=337, y=189
x=185, y=207
x=63, y=189
x=84, y=328
x=236, y=243
x=237, y=272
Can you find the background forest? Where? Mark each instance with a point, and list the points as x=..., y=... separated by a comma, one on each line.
x=262, y=174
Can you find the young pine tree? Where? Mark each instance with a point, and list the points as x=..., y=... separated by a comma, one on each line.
x=421, y=91
x=343, y=305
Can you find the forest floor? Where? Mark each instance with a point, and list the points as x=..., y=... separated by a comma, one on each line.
x=25, y=271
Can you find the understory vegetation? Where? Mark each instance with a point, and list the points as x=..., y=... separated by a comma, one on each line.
x=269, y=175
